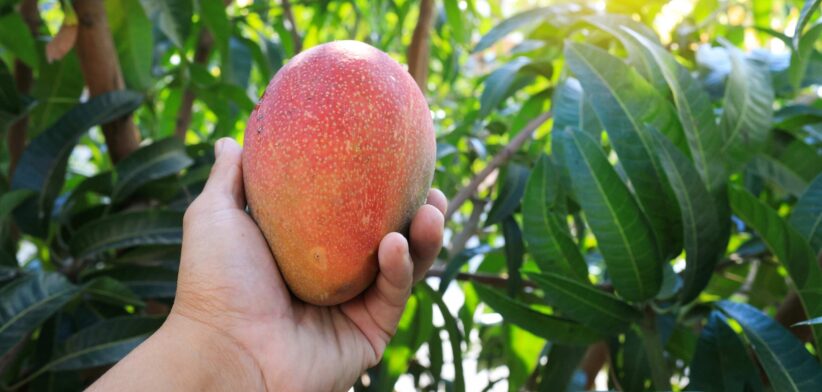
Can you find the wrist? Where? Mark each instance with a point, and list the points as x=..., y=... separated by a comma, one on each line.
x=208, y=356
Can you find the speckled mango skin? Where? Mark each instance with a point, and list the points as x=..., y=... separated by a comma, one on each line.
x=339, y=152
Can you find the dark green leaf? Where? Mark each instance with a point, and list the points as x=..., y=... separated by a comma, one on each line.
x=16, y=37
x=216, y=19
x=111, y=291
x=498, y=85
x=547, y=235
x=154, y=161
x=28, y=302
x=455, y=21
x=558, y=372
x=721, y=362
x=789, y=247
x=540, y=324
x=104, y=343
x=622, y=233
x=43, y=164
x=747, y=107
x=813, y=321
x=11, y=200
x=509, y=195
x=703, y=247
x=571, y=108
x=128, y=229
x=625, y=103
x=56, y=90
x=777, y=173
x=790, y=367
x=131, y=31
x=514, y=253
x=146, y=282
x=807, y=214
x=172, y=16
x=592, y=307
x=456, y=263
x=454, y=335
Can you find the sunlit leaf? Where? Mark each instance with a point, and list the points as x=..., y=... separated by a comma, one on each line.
x=498, y=84
x=134, y=41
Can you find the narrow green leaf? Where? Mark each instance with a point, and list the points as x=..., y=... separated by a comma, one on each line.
x=747, y=107
x=703, y=247
x=16, y=37
x=454, y=16
x=514, y=253
x=790, y=367
x=28, y=302
x=805, y=14
x=788, y=245
x=11, y=200
x=695, y=113
x=803, y=50
x=807, y=214
x=43, y=164
x=457, y=262
x=572, y=108
x=109, y=290
x=510, y=193
x=127, y=229
x=146, y=282
x=105, y=342
x=56, y=90
x=547, y=236
x=540, y=324
x=558, y=372
x=519, y=21
x=592, y=307
x=498, y=85
x=172, y=16
x=131, y=30
x=216, y=19
x=625, y=103
x=623, y=235
x=154, y=161
x=777, y=173
x=454, y=335
x=721, y=362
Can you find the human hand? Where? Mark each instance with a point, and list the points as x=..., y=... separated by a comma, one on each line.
x=229, y=289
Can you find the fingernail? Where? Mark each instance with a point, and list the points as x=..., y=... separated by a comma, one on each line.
x=218, y=147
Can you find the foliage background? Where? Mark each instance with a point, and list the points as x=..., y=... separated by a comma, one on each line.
x=674, y=250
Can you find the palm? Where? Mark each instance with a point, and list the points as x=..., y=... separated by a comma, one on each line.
x=230, y=281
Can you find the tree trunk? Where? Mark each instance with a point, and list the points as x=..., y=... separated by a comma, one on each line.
x=101, y=71
x=16, y=137
x=418, y=50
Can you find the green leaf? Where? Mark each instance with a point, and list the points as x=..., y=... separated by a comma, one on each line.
x=453, y=267
x=498, y=85
x=747, y=107
x=56, y=90
x=151, y=227
x=721, y=362
x=571, y=108
x=803, y=49
x=146, y=282
x=106, y=289
x=695, y=113
x=216, y=19
x=173, y=17
x=10, y=101
x=625, y=103
x=805, y=14
x=558, y=372
x=790, y=367
x=703, y=247
x=134, y=40
x=455, y=21
x=16, y=37
x=28, y=302
x=592, y=307
x=807, y=214
x=42, y=166
x=454, y=335
x=545, y=232
x=788, y=245
x=510, y=194
x=11, y=200
x=777, y=173
x=105, y=342
x=154, y=161
x=514, y=253
x=623, y=235
x=520, y=21
x=552, y=328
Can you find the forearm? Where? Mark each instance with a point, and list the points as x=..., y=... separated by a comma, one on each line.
x=184, y=355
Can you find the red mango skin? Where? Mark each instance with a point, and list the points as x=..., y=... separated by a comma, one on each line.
x=339, y=152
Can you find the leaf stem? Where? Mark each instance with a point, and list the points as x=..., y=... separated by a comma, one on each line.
x=652, y=342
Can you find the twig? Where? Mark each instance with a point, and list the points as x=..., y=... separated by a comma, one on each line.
x=295, y=36
x=418, y=50
x=457, y=201
x=491, y=280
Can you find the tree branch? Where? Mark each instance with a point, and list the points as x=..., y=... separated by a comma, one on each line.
x=456, y=202
x=16, y=137
x=295, y=36
x=491, y=280
x=419, y=49
x=204, y=45
x=101, y=71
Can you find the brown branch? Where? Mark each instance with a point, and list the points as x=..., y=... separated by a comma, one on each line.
x=491, y=280
x=499, y=159
x=101, y=71
x=595, y=358
x=791, y=311
x=295, y=36
x=419, y=49
x=204, y=44
x=23, y=79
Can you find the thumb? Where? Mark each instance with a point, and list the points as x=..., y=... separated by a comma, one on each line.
x=224, y=187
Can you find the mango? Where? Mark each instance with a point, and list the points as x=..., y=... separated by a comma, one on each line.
x=339, y=152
